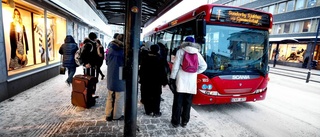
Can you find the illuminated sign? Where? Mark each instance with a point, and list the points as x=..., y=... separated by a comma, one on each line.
x=172, y=23
x=240, y=16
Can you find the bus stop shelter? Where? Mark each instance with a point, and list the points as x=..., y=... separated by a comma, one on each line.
x=133, y=14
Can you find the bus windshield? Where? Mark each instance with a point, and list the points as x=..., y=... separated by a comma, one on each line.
x=234, y=50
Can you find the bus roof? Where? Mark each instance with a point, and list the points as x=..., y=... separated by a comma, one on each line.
x=207, y=8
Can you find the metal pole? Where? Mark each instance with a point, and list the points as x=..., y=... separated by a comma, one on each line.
x=311, y=54
x=132, y=32
x=275, y=56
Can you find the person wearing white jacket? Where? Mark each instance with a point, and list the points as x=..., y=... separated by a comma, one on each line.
x=186, y=83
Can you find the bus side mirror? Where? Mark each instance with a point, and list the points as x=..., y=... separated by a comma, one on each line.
x=200, y=27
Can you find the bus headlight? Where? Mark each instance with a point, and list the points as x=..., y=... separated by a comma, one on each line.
x=259, y=90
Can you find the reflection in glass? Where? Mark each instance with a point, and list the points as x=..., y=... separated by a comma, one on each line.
x=311, y=3
x=282, y=7
x=297, y=26
x=235, y=50
x=271, y=9
x=290, y=5
x=300, y=4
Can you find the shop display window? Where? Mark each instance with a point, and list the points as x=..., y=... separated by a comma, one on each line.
x=26, y=41
x=289, y=52
x=56, y=33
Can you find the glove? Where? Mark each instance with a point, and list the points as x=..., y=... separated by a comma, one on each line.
x=172, y=85
x=172, y=80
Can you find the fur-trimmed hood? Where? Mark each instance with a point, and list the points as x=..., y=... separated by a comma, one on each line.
x=117, y=42
x=190, y=47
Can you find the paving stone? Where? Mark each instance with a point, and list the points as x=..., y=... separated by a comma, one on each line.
x=52, y=114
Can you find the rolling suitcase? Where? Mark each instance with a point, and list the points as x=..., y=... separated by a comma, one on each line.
x=83, y=86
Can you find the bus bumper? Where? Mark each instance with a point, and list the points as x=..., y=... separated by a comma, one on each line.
x=201, y=99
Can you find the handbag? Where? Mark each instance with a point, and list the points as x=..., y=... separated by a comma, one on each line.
x=62, y=69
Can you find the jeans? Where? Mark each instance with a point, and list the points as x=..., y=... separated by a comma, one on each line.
x=71, y=72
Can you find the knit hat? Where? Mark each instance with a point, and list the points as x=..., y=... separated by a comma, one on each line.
x=189, y=39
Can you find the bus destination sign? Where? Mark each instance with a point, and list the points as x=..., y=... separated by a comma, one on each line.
x=240, y=16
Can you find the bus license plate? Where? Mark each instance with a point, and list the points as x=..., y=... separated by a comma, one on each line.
x=238, y=99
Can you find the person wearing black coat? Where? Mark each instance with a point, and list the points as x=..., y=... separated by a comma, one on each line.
x=100, y=51
x=89, y=55
x=152, y=77
x=68, y=50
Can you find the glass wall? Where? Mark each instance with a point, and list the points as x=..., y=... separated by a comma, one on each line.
x=303, y=26
x=32, y=37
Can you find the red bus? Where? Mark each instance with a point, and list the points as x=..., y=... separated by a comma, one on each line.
x=234, y=42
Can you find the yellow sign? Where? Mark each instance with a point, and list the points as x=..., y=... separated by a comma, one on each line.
x=244, y=17
x=173, y=22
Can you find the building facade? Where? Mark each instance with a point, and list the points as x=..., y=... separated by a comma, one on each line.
x=31, y=33
x=293, y=35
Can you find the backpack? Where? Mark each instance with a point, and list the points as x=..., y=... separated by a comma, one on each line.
x=77, y=55
x=190, y=62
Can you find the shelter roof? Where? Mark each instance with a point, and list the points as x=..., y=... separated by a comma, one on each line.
x=114, y=10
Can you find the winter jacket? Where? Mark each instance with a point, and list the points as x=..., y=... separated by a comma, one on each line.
x=89, y=54
x=153, y=70
x=187, y=82
x=100, y=59
x=68, y=50
x=115, y=60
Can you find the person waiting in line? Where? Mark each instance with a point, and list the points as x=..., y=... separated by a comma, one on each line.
x=68, y=49
x=100, y=51
x=152, y=76
x=163, y=54
x=115, y=35
x=142, y=55
x=115, y=84
x=163, y=49
x=186, y=83
x=90, y=55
